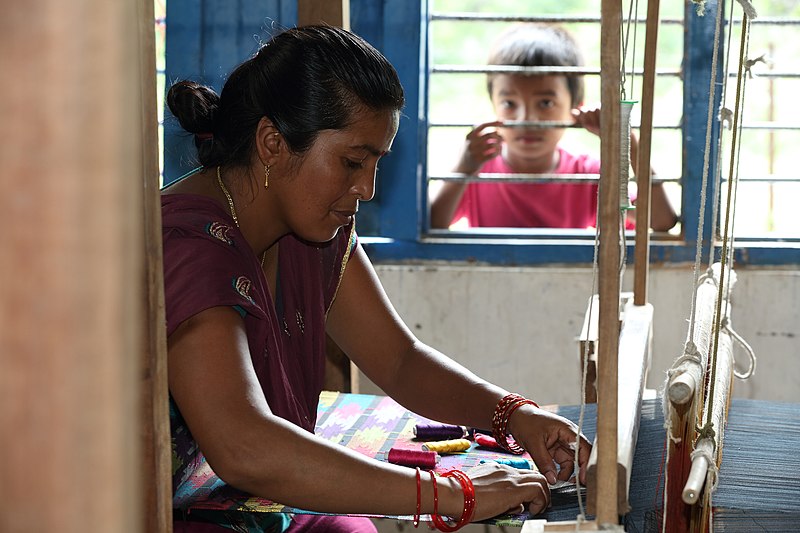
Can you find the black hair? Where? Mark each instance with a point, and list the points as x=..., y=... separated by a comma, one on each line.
x=539, y=45
x=305, y=80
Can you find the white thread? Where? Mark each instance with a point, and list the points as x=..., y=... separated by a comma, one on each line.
x=726, y=117
x=625, y=108
x=748, y=8
x=747, y=348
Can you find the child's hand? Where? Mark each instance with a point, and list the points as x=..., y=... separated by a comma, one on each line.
x=482, y=144
x=589, y=118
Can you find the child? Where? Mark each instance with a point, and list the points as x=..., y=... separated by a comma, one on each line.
x=493, y=148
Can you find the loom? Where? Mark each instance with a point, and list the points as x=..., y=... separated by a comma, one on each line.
x=624, y=473
x=616, y=346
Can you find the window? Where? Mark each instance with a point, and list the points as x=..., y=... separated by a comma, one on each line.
x=401, y=231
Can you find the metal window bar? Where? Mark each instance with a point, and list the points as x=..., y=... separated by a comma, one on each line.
x=591, y=71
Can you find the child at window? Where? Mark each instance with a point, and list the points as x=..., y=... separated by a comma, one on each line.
x=493, y=148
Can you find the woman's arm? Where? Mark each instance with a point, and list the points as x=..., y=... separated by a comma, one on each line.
x=213, y=382
x=364, y=324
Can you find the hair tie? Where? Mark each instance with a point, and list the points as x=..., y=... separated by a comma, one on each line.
x=202, y=137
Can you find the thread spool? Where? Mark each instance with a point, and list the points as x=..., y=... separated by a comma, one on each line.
x=439, y=431
x=519, y=463
x=486, y=441
x=448, y=446
x=625, y=108
x=413, y=458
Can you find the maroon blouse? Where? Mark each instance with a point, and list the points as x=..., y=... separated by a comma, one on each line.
x=207, y=263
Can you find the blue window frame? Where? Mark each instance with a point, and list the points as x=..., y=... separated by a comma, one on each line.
x=206, y=39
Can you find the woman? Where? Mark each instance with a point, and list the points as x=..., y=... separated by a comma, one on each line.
x=261, y=260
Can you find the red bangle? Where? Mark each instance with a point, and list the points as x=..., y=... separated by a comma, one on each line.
x=435, y=494
x=500, y=418
x=419, y=498
x=469, y=503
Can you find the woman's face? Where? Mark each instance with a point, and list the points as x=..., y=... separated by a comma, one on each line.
x=322, y=190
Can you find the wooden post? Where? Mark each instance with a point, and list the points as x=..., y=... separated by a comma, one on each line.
x=340, y=374
x=71, y=334
x=156, y=462
x=609, y=224
x=643, y=175
x=333, y=12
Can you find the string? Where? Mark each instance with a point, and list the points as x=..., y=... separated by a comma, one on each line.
x=584, y=374
x=724, y=260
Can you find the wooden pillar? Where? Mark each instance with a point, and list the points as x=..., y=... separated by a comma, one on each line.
x=71, y=334
x=156, y=456
x=340, y=375
x=643, y=175
x=606, y=486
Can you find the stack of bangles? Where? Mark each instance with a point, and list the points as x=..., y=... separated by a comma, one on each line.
x=502, y=413
x=469, y=501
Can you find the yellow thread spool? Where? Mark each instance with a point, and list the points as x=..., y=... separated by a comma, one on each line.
x=447, y=446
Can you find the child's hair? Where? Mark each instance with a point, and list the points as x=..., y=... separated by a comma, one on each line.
x=533, y=44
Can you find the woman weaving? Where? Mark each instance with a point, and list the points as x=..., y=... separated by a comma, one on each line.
x=261, y=259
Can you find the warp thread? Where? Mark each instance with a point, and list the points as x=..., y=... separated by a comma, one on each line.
x=414, y=458
x=436, y=431
x=448, y=446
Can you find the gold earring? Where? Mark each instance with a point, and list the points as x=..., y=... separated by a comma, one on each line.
x=266, y=176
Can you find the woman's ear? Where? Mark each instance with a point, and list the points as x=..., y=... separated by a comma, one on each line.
x=268, y=141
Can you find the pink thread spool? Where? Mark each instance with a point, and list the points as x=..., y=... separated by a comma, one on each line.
x=413, y=458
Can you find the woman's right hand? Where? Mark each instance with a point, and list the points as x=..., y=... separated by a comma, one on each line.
x=482, y=144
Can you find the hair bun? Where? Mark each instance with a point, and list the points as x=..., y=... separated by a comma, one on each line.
x=194, y=106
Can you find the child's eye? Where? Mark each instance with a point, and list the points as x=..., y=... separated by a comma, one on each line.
x=547, y=104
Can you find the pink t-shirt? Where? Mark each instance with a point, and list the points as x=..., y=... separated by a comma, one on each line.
x=532, y=205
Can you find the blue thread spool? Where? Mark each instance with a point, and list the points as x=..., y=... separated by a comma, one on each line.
x=522, y=464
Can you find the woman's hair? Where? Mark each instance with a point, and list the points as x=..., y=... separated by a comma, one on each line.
x=539, y=45
x=305, y=80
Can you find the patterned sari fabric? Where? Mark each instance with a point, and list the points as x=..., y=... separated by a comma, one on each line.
x=207, y=263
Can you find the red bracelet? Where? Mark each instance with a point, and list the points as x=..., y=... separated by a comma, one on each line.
x=419, y=498
x=435, y=494
x=501, y=416
x=469, y=503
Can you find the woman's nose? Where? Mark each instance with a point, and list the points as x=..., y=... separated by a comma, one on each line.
x=364, y=186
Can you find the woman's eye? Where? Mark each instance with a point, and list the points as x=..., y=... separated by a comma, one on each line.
x=354, y=164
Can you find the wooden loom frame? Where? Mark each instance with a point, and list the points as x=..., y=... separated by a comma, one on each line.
x=610, y=467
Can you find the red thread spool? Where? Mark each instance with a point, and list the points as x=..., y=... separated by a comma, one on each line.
x=486, y=441
x=413, y=458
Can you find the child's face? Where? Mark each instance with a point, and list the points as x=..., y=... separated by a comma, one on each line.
x=531, y=98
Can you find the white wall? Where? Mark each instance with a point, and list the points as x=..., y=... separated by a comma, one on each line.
x=517, y=326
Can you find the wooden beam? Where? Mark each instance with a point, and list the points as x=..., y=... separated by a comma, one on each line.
x=156, y=462
x=606, y=485
x=635, y=343
x=71, y=337
x=643, y=171
x=333, y=12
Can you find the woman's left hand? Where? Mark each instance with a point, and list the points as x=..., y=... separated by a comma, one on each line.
x=550, y=440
